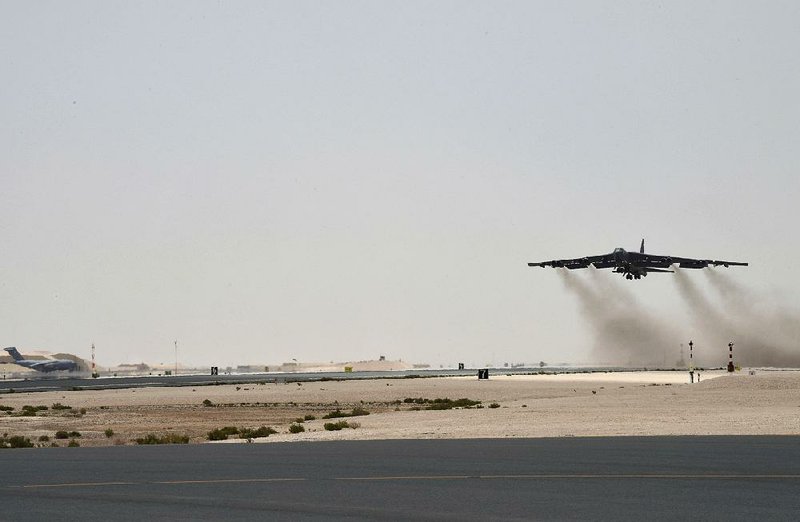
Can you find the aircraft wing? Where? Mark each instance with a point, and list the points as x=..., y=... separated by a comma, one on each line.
x=604, y=261
x=657, y=261
x=726, y=264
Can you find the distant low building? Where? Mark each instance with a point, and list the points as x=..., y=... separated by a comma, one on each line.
x=250, y=368
x=141, y=367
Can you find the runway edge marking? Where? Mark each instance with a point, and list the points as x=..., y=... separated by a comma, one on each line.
x=545, y=476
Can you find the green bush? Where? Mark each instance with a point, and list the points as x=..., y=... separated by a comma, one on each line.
x=207, y=403
x=336, y=426
x=448, y=404
x=59, y=406
x=169, y=438
x=17, y=441
x=109, y=433
x=222, y=433
x=336, y=414
x=74, y=434
x=217, y=434
x=296, y=428
x=442, y=404
x=249, y=433
x=61, y=434
x=44, y=438
x=6, y=408
x=30, y=411
x=494, y=405
x=73, y=443
x=309, y=417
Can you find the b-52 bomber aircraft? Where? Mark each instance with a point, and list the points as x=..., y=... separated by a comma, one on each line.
x=52, y=365
x=635, y=265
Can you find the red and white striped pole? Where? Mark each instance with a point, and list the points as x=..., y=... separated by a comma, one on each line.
x=730, y=357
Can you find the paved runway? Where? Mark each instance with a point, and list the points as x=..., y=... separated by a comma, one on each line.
x=625, y=478
x=68, y=382
x=73, y=382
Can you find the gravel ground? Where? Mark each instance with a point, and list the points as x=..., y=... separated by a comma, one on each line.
x=596, y=404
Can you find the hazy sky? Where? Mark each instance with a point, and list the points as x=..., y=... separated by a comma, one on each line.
x=325, y=181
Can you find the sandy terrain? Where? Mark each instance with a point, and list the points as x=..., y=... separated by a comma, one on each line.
x=636, y=403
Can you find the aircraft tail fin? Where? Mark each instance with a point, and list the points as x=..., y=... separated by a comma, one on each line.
x=14, y=353
x=641, y=248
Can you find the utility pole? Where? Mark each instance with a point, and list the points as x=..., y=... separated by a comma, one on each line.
x=94, y=371
x=176, y=357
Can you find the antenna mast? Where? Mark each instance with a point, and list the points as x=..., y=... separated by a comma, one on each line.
x=94, y=370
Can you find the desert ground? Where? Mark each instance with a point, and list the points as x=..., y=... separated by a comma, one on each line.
x=562, y=405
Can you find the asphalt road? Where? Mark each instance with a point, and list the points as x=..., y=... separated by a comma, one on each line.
x=652, y=478
x=71, y=382
x=47, y=382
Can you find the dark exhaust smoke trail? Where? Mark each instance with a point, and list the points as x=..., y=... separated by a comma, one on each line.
x=609, y=284
x=766, y=314
x=769, y=332
x=624, y=333
x=712, y=328
x=725, y=285
x=589, y=299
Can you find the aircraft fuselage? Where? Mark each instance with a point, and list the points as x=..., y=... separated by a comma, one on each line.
x=635, y=265
x=46, y=366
